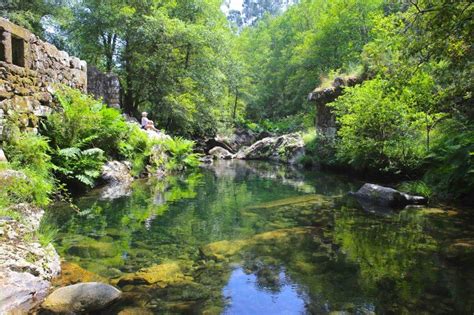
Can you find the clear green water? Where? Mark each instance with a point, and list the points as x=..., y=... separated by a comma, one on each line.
x=257, y=238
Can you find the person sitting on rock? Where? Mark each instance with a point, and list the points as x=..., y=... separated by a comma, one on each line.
x=147, y=124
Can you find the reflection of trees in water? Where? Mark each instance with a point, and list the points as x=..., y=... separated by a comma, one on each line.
x=351, y=260
x=398, y=259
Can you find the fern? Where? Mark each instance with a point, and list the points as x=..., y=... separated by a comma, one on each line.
x=69, y=152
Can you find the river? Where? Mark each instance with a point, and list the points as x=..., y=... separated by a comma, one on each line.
x=258, y=238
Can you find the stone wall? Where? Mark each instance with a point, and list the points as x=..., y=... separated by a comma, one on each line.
x=325, y=119
x=104, y=85
x=29, y=71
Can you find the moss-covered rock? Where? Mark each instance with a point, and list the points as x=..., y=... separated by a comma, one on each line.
x=161, y=275
x=72, y=273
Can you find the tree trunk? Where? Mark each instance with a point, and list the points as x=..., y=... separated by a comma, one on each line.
x=235, y=105
x=129, y=103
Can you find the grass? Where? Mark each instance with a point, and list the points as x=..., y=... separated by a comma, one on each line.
x=328, y=79
x=46, y=234
x=417, y=187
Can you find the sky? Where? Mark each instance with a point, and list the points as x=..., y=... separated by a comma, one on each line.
x=232, y=5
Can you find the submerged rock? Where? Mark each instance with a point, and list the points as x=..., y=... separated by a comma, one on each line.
x=81, y=297
x=295, y=201
x=161, y=275
x=386, y=196
x=72, y=274
x=221, y=153
x=287, y=148
x=225, y=249
x=135, y=311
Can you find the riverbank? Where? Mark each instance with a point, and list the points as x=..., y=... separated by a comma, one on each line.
x=78, y=144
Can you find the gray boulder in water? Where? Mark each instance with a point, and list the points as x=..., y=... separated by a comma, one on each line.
x=386, y=196
x=286, y=148
x=221, y=153
x=81, y=298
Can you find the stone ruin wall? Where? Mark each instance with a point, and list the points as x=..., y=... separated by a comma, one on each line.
x=29, y=70
x=105, y=86
x=326, y=125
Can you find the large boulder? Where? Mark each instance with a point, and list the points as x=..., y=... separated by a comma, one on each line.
x=81, y=298
x=116, y=172
x=221, y=153
x=217, y=142
x=287, y=149
x=26, y=267
x=20, y=292
x=244, y=137
x=117, y=175
x=386, y=196
x=233, y=143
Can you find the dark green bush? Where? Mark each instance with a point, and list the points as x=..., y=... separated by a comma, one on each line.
x=451, y=161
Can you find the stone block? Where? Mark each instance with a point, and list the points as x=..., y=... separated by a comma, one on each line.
x=42, y=111
x=6, y=40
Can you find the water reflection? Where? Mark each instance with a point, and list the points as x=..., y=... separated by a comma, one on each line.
x=247, y=238
x=247, y=295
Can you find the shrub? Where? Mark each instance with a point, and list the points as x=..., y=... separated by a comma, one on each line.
x=181, y=156
x=85, y=123
x=29, y=150
x=24, y=186
x=29, y=154
x=76, y=166
x=82, y=136
x=136, y=148
x=451, y=161
x=376, y=132
x=417, y=187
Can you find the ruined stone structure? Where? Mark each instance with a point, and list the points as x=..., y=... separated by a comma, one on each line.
x=29, y=71
x=104, y=85
x=325, y=118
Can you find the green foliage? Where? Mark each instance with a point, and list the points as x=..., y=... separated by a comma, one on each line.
x=136, y=148
x=286, y=55
x=46, y=233
x=375, y=130
x=85, y=123
x=29, y=150
x=30, y=13
x=29, y=154
x=83, y=135
x=417, y=187
x=174, y=59
x=289, y=124
x=74, y=165
x=451, y=161
x=181, y=156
